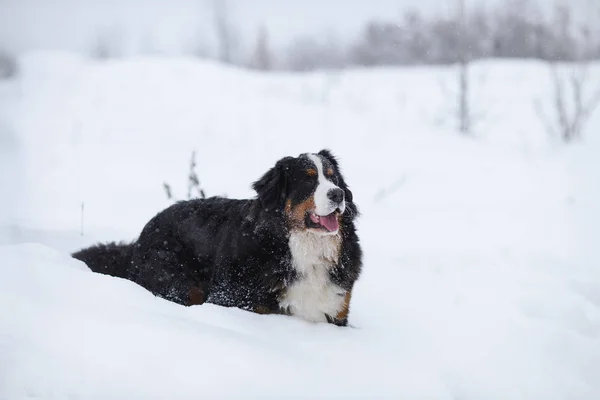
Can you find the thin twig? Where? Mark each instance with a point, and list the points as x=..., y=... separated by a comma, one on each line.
x=391, y=189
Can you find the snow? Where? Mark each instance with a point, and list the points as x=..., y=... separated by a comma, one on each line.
x=481, y=275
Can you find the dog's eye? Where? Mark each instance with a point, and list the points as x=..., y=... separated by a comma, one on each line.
x=311, y=172
x=329, y=172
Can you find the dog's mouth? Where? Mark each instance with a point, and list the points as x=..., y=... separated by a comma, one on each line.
x=328, y=223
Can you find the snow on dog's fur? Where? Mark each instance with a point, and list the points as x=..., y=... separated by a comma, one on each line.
x=293, y=249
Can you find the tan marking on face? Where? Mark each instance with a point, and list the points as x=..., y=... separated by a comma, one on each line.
x=297, y=214
x=329, y=172
x=311, y=172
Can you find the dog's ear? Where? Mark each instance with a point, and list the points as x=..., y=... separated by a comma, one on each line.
x=342, y=184
x=272, y=186
x=329, y=156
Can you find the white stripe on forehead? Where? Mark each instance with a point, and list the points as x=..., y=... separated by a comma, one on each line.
x=322, y=203
x=318, y=163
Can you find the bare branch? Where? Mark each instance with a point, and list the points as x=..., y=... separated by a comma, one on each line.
x=569, y=125
x=592, y=104
x=168, y=190
x=391, y=189
x=81, y=216
x=546, y=120
x=193, y=183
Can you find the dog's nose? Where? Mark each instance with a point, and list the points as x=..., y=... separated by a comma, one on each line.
x=336, y=195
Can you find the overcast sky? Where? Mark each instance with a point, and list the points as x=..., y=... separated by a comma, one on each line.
x=173, y=26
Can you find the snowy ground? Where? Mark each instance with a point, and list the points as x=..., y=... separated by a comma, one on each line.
x=481, y=275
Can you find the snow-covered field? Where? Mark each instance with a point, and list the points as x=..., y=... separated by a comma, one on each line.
x=481, y=276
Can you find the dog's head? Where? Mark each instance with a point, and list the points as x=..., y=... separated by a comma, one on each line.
x=309, y=190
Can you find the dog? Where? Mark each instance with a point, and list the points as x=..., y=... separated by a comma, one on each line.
x=292, y=250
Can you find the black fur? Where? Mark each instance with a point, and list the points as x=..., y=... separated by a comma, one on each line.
x=110, y=259
x=233, y=253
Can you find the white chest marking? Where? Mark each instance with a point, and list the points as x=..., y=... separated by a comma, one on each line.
x=313, y=294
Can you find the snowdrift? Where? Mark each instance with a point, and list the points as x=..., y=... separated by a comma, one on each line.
x=69, y=332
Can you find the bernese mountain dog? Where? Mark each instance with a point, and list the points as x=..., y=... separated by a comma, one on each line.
x=291, y=250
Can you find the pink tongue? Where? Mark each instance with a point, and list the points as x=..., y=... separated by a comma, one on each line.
x=330, y=222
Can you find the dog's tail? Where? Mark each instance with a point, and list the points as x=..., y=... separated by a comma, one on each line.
x=110, y=259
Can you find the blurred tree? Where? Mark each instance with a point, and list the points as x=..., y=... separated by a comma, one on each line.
x=307, y=53
x=8, y=65
x=262, y=58
x=227, y=36
x=479, y=33
x=108, y=44
x=445, y=41
x=380, y=44
x=303, y=54
x=564, y=47
x=576, y=94
x=416, y=38
x=509, y=29
x=574, y=99
x=515, y=29
x=464, y=109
